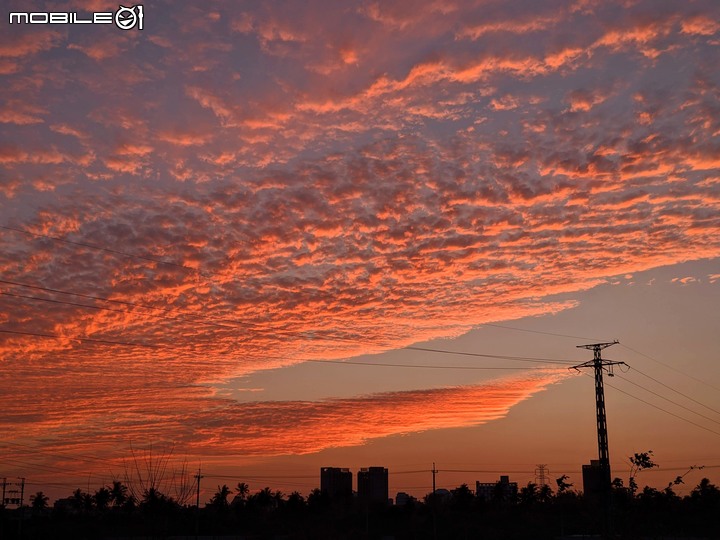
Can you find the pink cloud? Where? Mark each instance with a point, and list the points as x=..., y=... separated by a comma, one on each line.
x=27, y=44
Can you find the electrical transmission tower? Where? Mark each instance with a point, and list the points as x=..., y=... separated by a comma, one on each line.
x=541, y=473
x=599, y=365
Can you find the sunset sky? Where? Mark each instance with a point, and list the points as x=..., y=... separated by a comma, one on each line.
x=211, y=226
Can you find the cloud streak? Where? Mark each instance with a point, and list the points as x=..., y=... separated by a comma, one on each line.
x=220, y=427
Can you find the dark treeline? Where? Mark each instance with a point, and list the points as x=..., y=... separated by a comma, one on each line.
x=534, y=512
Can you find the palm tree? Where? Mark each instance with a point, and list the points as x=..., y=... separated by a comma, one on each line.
x=102, y=498
x=240, y=498
x=79, y=501
x=264, y=498
x=296, y=501
x=219, y=500
x=318, y=499
x=118, y=493
x=153, y=497
x=39, y=502
x=279, y=498
x=242, y=490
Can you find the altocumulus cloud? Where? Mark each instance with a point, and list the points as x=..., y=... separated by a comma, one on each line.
x=326, y=182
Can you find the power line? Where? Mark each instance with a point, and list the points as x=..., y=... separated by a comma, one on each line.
x=100, y=308
x=54, y=484
x=113, y=300
x=663, y=410
x=82, y=295
x=671, y=368
x=64, y=302
x=88, y=340
x=203, y=319
x=100, y=248
x=78, y=457
x=37, y=466
x=159, y=261
x=485, y=471
x=177, y=312
x=245, y=323
x=293, y=477
x=668, y=400
x=423, y=349
x=260, y=476
x=500, y=357
x=669, y=469
x=537, y=331
x=417, y=366
x=676, y=391
x=340, y=362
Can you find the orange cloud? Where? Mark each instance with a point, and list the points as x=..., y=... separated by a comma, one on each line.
x=199, y=424
x=303, y=427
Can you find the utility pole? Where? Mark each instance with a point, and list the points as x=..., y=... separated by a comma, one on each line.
x=434, y=503
x=598, y=365
x=22, y=508
x=434, y=472
x=198, y=476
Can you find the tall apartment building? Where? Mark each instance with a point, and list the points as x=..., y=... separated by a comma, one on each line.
x=336, y=482
x=372, y=484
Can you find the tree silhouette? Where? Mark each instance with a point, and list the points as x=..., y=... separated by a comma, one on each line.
x=153, y=473
x=264, y=498
x=318, y=499
x=219, y=500
x=154, y=501
x=39, y=502
x=102, y=498
x=81, y=501
x=639, y=462
x=650, y=513
x=242, y=490
x=118, y=493
x=706, y=494
x=529, y=493
x=462, y=497
x=295, y=501
x=545, y=493
x=562, y=485
x=278, y=498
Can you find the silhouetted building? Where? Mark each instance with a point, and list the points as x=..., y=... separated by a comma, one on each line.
x=502, y=490
x=372, y=484
x=593, y=476
x=336, y=482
